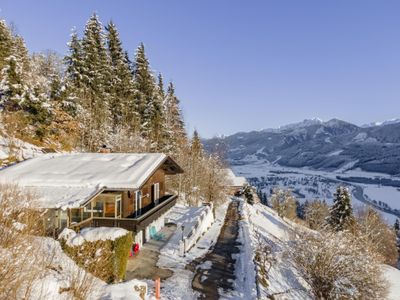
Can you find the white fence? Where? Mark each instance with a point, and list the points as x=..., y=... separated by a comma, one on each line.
x=202, y=223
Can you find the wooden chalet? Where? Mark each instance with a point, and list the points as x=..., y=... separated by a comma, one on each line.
x=78, y=190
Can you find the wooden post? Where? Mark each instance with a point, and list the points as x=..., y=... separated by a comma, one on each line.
x=158, y=284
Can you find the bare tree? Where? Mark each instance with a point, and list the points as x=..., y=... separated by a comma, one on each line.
x=21, y=260
x=338, y=266
x=316, y=213
x=379, y=237
x=284, y=203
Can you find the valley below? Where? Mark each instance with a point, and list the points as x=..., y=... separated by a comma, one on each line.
x=379, y=190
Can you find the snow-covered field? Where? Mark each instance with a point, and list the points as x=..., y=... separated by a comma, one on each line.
x=310, y=184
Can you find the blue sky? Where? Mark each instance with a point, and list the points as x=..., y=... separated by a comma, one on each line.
x=245, y=65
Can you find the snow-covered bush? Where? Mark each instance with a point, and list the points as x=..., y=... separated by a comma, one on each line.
x=248, y=194
x=100, y=251
x=338, y=266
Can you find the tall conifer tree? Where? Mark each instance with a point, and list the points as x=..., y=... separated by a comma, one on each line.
x=175, y=128
x=121, y=85
x=96, y=77
x=341, y=212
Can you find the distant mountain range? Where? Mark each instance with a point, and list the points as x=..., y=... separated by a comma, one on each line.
x=313, y=143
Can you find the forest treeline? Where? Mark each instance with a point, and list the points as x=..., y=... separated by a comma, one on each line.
x=98, y=95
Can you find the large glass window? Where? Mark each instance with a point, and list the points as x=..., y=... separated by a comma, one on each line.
x=118, y=212
x=63, y=217
x=98, y=207
x=75, y=215
x=87, y=211
x=138, y=203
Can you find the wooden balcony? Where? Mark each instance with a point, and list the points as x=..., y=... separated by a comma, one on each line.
x=147, y=215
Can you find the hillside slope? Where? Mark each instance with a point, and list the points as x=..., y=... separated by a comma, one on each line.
x=284, y=280
x=13, y=150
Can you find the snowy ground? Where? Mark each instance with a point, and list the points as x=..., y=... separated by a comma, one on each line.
x=179, y=286
x=283, y=275
x=63, y=272
x=245, y=269
x=393, y=277
x=254, y=219
x=13, y=149
x=276, y=232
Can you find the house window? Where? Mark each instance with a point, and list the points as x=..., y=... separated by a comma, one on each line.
x=119, y=207
x=87, y=212
x=75, y=215
x=63, y=218
x=98, y=207
x=156, y=193
x=138, y=203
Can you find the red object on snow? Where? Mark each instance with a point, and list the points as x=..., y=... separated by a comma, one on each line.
x=136, y=248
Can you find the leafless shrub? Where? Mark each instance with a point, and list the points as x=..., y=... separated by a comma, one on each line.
x=80, y=285
x=316, y=213
x=21, y=260
x=338, y=266
x=284, y=203
x=378, y=236
x=264, y=259
x=204, y=179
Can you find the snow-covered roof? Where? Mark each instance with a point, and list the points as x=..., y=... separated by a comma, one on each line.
x=65, y=180
x=233, y=179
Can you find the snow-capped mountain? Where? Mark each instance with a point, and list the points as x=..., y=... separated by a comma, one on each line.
x=330, y=145
x=383, y=123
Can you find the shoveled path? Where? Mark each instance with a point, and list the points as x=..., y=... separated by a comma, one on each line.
x=216, y=270
x=143, y=265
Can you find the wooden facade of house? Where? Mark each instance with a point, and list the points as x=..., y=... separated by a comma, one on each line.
x=77, y=190
x=130, y=209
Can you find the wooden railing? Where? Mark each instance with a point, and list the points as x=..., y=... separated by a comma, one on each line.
x=131, y=224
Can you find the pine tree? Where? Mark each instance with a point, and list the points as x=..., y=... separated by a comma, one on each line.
x=74, y=87
x=175, y=127
x=14, y=89
x=13, y=92
x=74, y=61
x=145, y=86
x=341, y=212
x=6, y=43
x=121, y=86
x=21, y=51
x=397, y=226
x=96, y=78
x=248, y=194
x=160, y=85
x=196, y=145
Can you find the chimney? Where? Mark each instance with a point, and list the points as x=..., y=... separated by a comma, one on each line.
x=105, y=149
